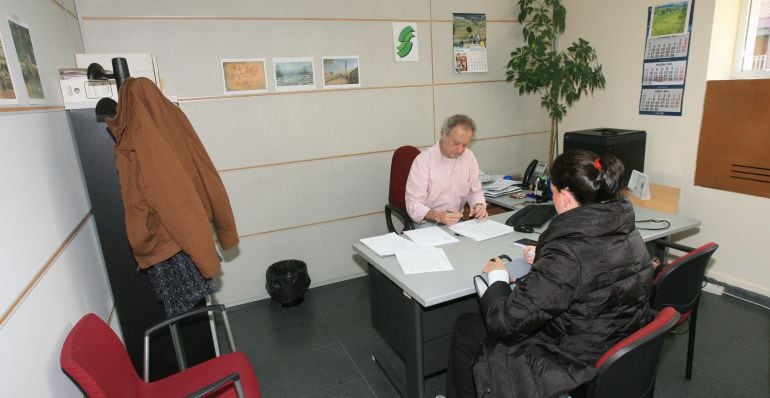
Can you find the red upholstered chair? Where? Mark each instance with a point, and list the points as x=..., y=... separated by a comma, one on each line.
x=678, y=285
x=94, y=357
x=628, y=368
x=399, y=172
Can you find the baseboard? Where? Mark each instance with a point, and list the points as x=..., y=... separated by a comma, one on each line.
x=741, y=293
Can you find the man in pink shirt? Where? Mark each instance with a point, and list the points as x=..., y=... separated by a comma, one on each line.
x=446, y=177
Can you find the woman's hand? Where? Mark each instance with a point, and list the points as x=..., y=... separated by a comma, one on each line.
x=495, y=264
x=529, y=254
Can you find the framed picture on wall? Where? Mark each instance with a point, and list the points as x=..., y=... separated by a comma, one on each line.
x=244, y=76
x=340, y=72
x=7, y=92
x=27, y=62
x=294, y=74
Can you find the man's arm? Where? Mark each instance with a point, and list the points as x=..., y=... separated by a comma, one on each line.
x=417, y=190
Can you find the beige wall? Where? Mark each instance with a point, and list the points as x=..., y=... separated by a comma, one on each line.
x=307, y=172
x=737, y=222
x=52, y=272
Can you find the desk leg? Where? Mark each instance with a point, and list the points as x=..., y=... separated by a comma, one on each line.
x=415, y=381
x=398, y=319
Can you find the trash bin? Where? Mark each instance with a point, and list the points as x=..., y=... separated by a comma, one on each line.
x=287, y=281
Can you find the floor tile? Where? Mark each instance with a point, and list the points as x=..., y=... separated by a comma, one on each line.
x=318, y=370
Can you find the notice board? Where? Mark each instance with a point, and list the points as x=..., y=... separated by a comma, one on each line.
x=734, y=147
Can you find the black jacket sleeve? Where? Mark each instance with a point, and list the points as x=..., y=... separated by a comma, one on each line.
x=546, y=292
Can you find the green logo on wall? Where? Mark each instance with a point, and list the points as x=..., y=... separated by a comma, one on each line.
x=405, y=41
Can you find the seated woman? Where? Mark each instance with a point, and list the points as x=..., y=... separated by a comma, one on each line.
x=589, y=288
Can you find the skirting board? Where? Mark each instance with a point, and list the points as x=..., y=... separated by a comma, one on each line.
x=741, y=293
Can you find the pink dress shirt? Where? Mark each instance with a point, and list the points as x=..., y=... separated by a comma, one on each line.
x=439, y=183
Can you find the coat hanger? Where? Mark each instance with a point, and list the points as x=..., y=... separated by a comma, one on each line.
x=107, y=107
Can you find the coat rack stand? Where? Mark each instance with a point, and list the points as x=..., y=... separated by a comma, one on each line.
x=134, y=297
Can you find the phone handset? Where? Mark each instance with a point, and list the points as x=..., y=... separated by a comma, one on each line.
x=534, y=171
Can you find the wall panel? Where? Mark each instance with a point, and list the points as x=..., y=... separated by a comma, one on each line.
x=270, y=129
x=31, y=341
x=270, y=198
x=373, y=9
x=497, y=108
x=325, y=248
x=45, y=197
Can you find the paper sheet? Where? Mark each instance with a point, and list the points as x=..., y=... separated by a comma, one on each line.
x=388, y=244
x=481, y=230
x=423, y=259
x=431, y=236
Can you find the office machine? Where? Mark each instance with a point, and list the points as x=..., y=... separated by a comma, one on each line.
x=626, y=145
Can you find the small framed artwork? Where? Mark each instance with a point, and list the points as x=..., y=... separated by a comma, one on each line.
x=294, y=74
x=7, y=92
x=340, y=72
x=27, y=62
x=244, y=76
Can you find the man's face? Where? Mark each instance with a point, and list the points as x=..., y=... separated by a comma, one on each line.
x=453, y=145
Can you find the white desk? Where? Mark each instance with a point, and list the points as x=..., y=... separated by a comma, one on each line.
x=415, y=313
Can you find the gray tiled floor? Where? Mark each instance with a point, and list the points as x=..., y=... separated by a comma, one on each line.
x=322, y=348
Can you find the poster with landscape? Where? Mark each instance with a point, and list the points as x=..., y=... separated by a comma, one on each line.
x=340, y=72
x=293, y=74
x=669, y=19
x=7, y=93
x=29, y=68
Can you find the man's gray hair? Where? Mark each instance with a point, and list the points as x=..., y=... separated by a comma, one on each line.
x=458, y=120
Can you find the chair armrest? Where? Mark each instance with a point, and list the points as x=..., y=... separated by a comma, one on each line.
x=195, y=311
x=675, y=246
x=231, y=378
x=401, y=214
x=179, y=350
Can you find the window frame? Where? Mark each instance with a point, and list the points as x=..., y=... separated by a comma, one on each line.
x=747, y=24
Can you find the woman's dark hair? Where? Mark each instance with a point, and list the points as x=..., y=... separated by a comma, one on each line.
x=590, y=178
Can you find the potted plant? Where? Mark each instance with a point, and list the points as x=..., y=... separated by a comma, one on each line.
x=538, y=66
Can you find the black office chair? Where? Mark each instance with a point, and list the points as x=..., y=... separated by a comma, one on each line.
x=400, y=165
x=628, y=369
x=678, y=284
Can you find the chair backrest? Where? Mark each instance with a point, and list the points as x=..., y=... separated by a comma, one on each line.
x=399, y=172
x=679, y=283
x=628, y=368
x=94, y=357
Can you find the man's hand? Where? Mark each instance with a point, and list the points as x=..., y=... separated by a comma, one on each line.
x=449, y=217
x=478, y=211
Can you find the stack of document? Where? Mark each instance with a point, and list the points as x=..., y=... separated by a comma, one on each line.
x=500, y=188
x=481, y=230
x=414, y=258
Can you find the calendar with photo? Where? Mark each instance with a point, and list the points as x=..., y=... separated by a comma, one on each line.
x=664, y=69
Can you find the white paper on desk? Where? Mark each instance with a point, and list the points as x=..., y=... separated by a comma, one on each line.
x=498, y=185
x=431, y=236
x=423, y=259
x=388, y=244
x=481, y=230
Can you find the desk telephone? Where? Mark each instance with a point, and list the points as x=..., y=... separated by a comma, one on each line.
x=534, y=171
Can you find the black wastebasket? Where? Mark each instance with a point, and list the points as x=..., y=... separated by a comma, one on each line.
x=287, y=281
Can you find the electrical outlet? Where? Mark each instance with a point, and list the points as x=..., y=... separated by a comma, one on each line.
x=713, y=289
